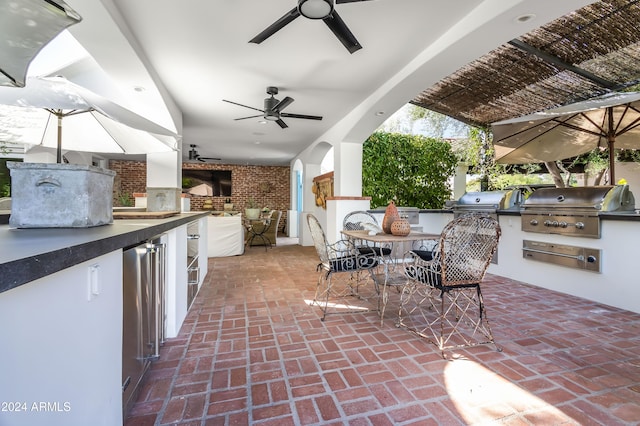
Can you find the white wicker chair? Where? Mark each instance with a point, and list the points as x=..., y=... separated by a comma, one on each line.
x=343, y=259
x=442, y=300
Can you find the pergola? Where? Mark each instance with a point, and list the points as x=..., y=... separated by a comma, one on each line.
x=590, y=52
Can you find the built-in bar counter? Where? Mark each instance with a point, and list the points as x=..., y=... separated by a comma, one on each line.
x=29, y=254
x=61, y=314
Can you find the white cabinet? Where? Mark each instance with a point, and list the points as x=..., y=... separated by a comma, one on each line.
x=186, y=264
x=61, y=335
x=225, y=236
x=193, y=261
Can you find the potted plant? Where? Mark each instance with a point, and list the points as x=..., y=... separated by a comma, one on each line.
x=252, y=209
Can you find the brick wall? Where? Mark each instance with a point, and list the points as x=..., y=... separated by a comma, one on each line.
x=131, y=176
x=268, y=185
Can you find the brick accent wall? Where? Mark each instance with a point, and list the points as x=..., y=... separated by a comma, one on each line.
x=131, y=177
x=268, y=185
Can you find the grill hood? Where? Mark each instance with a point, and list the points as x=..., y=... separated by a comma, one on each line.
x=585, y=198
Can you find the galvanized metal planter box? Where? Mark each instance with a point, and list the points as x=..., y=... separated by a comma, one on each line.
x=60, y=195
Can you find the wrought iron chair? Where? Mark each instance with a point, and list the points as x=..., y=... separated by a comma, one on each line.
x=442, y=299
x=362, y=220
x=339, y=258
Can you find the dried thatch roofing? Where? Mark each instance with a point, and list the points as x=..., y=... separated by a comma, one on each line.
x=590, y=52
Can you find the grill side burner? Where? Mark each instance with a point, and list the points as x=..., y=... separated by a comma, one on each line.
x=574, y=211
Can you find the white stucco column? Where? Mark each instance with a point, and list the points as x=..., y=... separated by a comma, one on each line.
x=347, y=163
x=347, y=187
x=164, y=178
x=460, y=180
x=310, y=170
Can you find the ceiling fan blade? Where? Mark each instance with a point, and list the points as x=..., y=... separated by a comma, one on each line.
x=283, y=104
x=209, y=158
x=308, y=117
x=281, y=123
x=340, y=29
x=349, y=1
x=251, y=116
x=246, y=106
x=276, y=26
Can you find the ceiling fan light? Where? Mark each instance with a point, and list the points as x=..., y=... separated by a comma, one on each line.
x=315, y=9
x=271, y=116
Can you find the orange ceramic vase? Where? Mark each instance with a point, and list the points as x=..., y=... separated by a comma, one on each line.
x=390, y=214
x=401, y=227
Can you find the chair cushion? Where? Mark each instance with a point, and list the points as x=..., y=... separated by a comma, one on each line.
x=378, y=251
x=425, y=255
x=353, y=263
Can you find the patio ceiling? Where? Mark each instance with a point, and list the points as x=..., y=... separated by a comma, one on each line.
x=176, y=64
x=587, y=53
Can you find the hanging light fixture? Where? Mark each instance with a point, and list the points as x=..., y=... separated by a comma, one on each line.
x=315, y=9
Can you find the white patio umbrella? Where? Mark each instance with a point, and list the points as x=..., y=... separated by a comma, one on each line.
x=25, y=27
x=56, y=113
x=607, y=122
x=202, y=189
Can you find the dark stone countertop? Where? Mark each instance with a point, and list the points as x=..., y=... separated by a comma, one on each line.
x=633, y=215
x=29, y=254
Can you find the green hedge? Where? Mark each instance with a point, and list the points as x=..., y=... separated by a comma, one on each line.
x=412, y=170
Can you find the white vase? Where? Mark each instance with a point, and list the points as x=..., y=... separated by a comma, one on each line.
x=252, y=213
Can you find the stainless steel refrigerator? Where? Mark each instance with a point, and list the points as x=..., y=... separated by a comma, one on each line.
x=143, y=325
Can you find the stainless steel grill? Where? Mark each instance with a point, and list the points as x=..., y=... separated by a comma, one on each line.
x=488, y=202
x=412, y=214
x=574, y=211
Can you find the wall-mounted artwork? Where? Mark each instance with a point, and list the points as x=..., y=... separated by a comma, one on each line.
x=322, y=188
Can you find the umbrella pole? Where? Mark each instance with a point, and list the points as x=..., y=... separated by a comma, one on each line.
x=59, y=153
x=612, y=161
x=611, y=138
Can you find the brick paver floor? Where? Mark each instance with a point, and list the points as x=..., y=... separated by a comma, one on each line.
x=253, y=352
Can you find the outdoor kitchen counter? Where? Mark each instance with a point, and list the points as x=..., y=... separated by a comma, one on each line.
x=629, y=216
x=613, y=285
x=29, y=254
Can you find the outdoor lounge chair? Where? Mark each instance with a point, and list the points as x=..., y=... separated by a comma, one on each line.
x=270, y=235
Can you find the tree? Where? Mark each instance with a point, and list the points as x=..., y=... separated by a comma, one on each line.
x=473, y=146
x=412, y=170
x=415, y=120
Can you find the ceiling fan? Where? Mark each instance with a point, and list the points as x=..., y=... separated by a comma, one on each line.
x=273, y=109
x=316, y=9
x=193, y=155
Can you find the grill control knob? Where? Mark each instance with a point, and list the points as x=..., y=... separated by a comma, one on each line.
x=547, y=223
x=555, y=224
x=533, y=222
x=579, y=225
x=591, y=259
x=562, y=224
